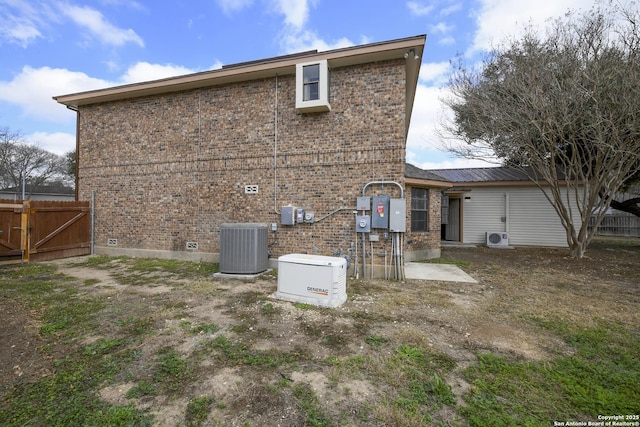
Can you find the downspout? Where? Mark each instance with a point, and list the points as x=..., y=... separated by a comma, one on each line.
x=93, y=219
x=197, y=170
x=77, y=146
x=275, y=153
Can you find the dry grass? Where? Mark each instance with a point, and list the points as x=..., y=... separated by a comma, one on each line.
x=394, y=354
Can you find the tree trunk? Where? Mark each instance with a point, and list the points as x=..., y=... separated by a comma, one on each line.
x=577, y=249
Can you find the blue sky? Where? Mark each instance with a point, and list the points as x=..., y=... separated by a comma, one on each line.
x=57, y=47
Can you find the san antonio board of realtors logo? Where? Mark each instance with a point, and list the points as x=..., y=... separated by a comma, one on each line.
x=318, y=291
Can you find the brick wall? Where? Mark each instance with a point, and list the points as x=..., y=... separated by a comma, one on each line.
x=425, y=244
x=167, y=170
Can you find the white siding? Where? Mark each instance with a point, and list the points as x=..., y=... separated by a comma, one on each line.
x=530, y=220
x=482, y=211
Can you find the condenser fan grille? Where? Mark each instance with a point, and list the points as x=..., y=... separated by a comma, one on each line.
x=495, y=238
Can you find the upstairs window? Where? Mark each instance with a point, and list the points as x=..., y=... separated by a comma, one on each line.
x=311, y=82
x=312, y=87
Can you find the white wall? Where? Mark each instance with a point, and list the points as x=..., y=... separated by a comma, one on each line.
x=530, y=218
x=482, y=209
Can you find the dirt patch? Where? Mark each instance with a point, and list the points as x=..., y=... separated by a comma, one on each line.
x=453, y=318
x=21, y=355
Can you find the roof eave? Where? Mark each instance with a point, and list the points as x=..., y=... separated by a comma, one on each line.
x=427, y=183
x=394, y=49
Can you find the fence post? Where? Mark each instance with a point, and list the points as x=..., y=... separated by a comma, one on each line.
x=24, y=230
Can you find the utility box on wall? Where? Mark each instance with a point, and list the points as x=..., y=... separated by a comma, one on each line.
x=363, y=224
x=398, y=215
x=364, y=203
x=380, y=212
x=288, y=215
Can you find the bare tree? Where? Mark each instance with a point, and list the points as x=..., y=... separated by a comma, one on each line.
x=22, y=163
x=563, y=107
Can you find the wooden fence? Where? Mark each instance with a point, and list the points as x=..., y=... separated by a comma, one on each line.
x=618, y=225
x=39, y=230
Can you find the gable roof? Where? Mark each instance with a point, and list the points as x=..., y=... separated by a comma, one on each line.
x=266, y=68
x=412, y=171
x=420, y=177
x=490, y=174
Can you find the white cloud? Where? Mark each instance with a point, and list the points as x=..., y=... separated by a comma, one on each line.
x=19, y=30
x=441, y=28
x=497, y=19
x=444, y=29
x=57, y=142
x=99, y=27
x=451, y=9
x=33, y=89
x=452, y=163
x=436, y=73
x=424, y=140
x=427, y=111
x=128, y=3
x=294, y=37
x=230, y=6
x=144, y=71
x=446, y=41
x=21, y=22
x=299, y=41
x=418, y=9
x=296, y=12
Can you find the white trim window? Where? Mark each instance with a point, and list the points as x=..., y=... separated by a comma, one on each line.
x=312, y=87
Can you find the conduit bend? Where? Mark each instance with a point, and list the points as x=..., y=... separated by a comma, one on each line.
x=383, y=182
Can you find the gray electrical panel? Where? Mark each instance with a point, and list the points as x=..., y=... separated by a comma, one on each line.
x=364, y=203
x=398, y=215
x=380, y=212
x=287, y=215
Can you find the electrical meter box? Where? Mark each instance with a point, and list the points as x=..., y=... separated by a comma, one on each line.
x=364, y=203
x=398, y=215
x=380, y=212
x=363, y=224
x=288, y=215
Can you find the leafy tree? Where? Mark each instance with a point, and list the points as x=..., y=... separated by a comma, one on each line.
x=70, y=158
x=19, y=159
x=564, y=108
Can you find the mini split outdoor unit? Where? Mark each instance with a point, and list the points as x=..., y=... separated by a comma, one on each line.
x=497, y=239
x=312, y=279
x=243, y=248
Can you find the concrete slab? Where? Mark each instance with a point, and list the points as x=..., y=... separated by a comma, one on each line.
x=248, y=277
x=427, y=271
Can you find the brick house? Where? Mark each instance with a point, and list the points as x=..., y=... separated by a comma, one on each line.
x=169, y=161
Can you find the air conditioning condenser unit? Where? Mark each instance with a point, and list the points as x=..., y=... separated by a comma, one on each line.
x=312, y=279
x=243, y=248
x=497, y=239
